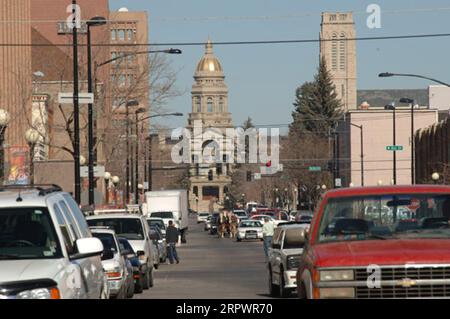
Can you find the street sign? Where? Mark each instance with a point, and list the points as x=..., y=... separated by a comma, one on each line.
x=338, y=182
x=99, y=171
x=315, y=168
x=394, y=148
x=83, y=98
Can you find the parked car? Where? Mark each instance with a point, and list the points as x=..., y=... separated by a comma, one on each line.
x=118, y=270
x=137, y=269
x=339, y=261
x=284, y=257
x=202, y=216
x=158, y=222
x=261, y=218
x=208, y=223
x=303, y=217
x=45, y=243
x=159, y=242
x=135, y=229
x=249, y=229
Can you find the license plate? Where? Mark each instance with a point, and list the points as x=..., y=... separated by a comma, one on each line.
x=251, y=236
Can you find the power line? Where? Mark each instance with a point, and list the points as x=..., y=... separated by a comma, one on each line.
x=180, y=44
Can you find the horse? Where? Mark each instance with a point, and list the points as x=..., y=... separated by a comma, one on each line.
x=224, y=225
x=233, y=226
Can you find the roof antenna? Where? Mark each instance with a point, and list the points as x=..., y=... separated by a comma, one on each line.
x=19, y=198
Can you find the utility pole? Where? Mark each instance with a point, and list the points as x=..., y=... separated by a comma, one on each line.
x=76, y=106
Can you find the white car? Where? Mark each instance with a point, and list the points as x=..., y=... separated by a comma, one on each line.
x=158, y=222
x=240, y=214
x=114, y=264
x=284, y=258
x=46, y=248
x=135, y=229
x=249, y=229
x=202, y=217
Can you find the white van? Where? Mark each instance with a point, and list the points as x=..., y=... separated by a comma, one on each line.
x=46, y=248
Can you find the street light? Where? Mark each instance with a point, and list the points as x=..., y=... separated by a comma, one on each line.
x=394, y=152
x=435, y=177
x=82, y=160
x=411, y=102
x=31, y=136
x=388, y=75
x=107, y=178
x=136, y=173
x=4, y=121
x=116, y=181
x=167, y=51
x=94, y=22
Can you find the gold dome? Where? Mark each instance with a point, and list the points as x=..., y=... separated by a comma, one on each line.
x=209, y=63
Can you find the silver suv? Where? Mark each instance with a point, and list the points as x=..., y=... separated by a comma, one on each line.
x=284, y=255
x=46, y=248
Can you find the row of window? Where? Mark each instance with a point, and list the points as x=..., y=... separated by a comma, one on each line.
x=342, y=17
x=123, y=34
x=210, y=105
x=123, y=79
x=130, y=59
x=338, y=52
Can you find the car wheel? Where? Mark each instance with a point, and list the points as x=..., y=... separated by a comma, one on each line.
x=150, y=281
x=146, y=284
x=130, y=292
x=238, y=239
x=138, y=287
x=272, y=288
x=283, y=292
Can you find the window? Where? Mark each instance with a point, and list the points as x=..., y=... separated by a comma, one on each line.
x=333, y=17
x=221, y=105
x=195, y=190
x=68, y=239
x=210, y=105
x=70, y=219
x=197, y=105
x=113, y=35
x=334, y=53
x=130, y=34
x=342, y=52
x=84, y=228
x=121, y=35
x=129, y=228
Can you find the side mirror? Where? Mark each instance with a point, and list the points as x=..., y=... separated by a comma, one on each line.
x=87, y=247
x=126, y=252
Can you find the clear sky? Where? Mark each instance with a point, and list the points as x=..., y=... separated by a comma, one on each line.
x=262, y=78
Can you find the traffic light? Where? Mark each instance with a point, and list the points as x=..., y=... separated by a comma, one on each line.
x=210, y=175
x=249, y=176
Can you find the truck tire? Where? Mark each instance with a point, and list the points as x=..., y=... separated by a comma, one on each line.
x=273, y=291
x=282, y=292
x=146, y=283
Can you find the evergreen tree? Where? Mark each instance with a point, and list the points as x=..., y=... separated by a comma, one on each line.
x=317, y=107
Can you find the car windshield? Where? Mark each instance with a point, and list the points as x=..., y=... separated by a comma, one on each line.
x=240, y=214
x=157, y=222
x=162, y=214
x=107, y=240
x=126, y=244
x=129, y=228
x=405, y=216
x=250, y=223
x=27, y=233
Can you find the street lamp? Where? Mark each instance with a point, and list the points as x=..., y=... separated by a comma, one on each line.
x=435, y=177
x=94, y=22
x=380, y=182
x=388, y=75
x=4, y=120
x=136, y=172
x=116, y=181
x=107, y=178
x=31, y=136
x=394, y=154
x=411, y=103
x=82, y=160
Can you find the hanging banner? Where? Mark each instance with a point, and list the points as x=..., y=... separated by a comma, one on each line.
x=18, y=168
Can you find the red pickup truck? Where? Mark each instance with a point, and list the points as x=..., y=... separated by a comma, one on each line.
x=378, y=242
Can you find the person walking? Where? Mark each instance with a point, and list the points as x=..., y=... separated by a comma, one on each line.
x=267, y=230
x=172, y=234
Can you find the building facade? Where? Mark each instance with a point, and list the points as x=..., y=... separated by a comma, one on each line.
x=208, y=121
x=338, y=47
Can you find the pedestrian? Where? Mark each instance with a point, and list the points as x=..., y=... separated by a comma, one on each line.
x=172, y=234
x=267, y=230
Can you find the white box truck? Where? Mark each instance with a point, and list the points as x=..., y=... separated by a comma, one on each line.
x=169, y=205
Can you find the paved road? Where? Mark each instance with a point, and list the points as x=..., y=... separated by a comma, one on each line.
x=212, y=268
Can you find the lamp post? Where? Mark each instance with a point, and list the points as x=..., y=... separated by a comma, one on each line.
x=136, y=168
x=388, y=75
x=107, y=178
x=96, y=21
x=394, y=154
x=362, y=150
x=435, y=177
x=127, y=136
x=4, y=120
x=31, y=136
x=116, y=181
x=76, y=106
x=411, y=103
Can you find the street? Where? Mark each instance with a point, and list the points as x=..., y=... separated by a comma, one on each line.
x=211, y=268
